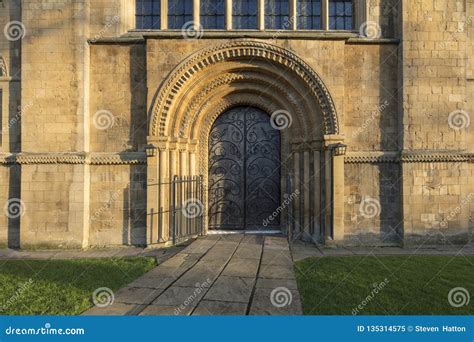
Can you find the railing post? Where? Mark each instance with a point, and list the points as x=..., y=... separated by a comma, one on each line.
x=173, y=208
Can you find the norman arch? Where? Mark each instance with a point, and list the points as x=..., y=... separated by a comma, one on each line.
x=235, y=74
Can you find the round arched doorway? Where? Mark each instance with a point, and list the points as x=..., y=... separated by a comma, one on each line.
x=244, y=171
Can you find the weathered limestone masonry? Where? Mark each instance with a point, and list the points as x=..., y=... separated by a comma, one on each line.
x=92, y=92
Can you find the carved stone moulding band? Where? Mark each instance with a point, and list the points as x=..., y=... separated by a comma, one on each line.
x=120, y=158
x=408, y=157
x=3, y=67
x=235, y=50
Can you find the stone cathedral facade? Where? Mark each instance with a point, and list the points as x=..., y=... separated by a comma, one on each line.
x=351, y=120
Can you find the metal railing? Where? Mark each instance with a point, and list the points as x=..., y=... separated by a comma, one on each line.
x=186, y=208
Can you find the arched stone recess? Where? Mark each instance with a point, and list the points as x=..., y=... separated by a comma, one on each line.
x=243, y=73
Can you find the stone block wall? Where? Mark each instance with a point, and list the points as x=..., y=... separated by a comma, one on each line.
x=392, y=100
x=371, y=97
x=118, y=205
x=372, y=197
x=438, y=202
x=436, y=112
x=10, y=206
x=118, y=98
x=53, y=197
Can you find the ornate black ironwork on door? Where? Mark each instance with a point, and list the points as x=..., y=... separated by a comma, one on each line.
x=244, y=171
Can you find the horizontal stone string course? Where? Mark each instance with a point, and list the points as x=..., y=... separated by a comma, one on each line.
x=139, y=158
x=3, y=67
x=396, y=157
x=128, y=158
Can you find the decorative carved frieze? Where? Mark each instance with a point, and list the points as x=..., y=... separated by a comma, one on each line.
x=408, y=157
x=435, y=157
x=371, y=157
x=3, y=67
x=120, y=158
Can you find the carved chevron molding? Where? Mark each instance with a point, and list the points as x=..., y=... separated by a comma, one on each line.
x=408, y=157
x=371, y=157
x=119, y=158
x=123, y=158
x=177, y=81
x=3, y=67
x=436, y=157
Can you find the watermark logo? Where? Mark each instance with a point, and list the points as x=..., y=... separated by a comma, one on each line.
x=369, y=207
x=22, y=288
x=199, y=288
x=103, y=297
x=281, y=119
x=459, y=120
x=370, y=120
x=107, y=26
x=370, y=30
x=376, y=288
x=14, y=208
x=192, y=30
x=103, y=119
x=192, y=208
x=458, y=297
x=282, y=207
x=281, y=297
x=14, y=30
x=457, y=210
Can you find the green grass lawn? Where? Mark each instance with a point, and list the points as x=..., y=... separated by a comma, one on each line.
x=398, y=285
x=62, y=287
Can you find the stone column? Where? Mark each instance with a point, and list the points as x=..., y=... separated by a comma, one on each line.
x=261, y=15
x=164, y=14
x=183, y=161
x=228, y=14
x=163, y=199
x=325, y=15
x=297, y=186
x=192, y=160
x=152, y=197
x=336, y=187
x=306, y=195
x=196, y=13
x=317, y=172
x=293, y=14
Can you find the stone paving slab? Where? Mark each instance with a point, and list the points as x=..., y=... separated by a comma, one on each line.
x=272, y=257
x=287, y=303
x=268, y=283
x=249, y=251
x=217, y=308
x=241, y=268
x=116, y=309
x=180, y=296
x=277, y=272
x=231, y=289
x=137, y=295
x=161, y=310
x=216, y=275
x=161, y=254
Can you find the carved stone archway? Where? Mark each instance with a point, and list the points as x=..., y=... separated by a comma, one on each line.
x=242, y=73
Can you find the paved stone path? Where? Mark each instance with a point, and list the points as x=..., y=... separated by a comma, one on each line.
x=216, y=275
x=160, y=254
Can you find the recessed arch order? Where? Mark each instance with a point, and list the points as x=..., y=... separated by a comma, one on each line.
x=242, y=72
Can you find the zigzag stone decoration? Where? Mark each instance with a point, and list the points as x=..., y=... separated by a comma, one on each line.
x=408, y=157
x=3, y=67
x=119, y=158
x=234, y=50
